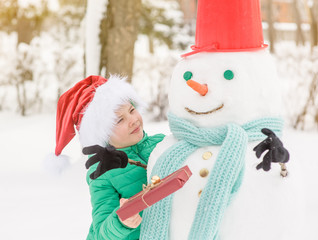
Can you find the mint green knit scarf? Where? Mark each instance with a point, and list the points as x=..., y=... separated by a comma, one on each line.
x=224, y=180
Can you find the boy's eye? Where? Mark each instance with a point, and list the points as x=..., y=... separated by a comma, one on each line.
x=131, y=110
x=119, y=120
x=228, y=75
x=187, y=75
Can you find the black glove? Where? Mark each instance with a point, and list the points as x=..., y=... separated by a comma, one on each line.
x=276, y=151
x=108, y=158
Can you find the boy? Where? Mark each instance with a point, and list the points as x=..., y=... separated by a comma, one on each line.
x=105, y=113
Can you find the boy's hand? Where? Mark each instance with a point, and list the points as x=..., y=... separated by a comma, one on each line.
x=133, y=221
x=108, y=158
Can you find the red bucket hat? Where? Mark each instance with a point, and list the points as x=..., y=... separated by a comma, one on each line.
x=228, y=26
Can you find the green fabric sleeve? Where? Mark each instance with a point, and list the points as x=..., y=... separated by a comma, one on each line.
x=105, y=202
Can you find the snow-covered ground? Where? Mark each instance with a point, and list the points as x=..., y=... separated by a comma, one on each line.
x=37, y=206
x=33, y=204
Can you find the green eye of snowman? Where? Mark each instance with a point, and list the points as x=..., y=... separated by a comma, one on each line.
x=228, y=75
x=187, y=75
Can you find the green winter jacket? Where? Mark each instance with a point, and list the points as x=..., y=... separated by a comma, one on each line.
x=118, y=183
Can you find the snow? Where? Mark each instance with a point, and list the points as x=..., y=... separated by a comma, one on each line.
x=94, y=14
x=52, y=4
x=38, y=206
x=287, y=26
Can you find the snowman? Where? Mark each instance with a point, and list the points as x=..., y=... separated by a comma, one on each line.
x=225, y=119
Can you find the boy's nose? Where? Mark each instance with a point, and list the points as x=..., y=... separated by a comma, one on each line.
x=133, y=121
x=198, y=87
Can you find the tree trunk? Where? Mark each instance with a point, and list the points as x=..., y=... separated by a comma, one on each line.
x=25, y=30
x=119, y=31
x=310, y=104
x=313, y=23
x=314, y=29
x=151, y=44
x=21, y=97
x=270, y=22
x=300, y=39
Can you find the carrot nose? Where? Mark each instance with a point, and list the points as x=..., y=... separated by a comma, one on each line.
x=198, y=87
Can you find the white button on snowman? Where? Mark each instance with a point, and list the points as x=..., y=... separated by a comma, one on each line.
x=221, y=95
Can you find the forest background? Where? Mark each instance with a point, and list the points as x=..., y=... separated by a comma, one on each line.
x=48, y=45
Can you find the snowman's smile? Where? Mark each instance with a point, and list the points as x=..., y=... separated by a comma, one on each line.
x=208, y=112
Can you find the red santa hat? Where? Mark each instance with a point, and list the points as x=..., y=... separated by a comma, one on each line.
x=228, y=26
x=90, y=107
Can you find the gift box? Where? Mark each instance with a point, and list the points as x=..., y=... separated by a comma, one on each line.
x=154, y=192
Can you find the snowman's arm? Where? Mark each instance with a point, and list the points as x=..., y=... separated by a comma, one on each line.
x=276, y=151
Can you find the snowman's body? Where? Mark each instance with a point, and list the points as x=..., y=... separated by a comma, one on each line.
x=266, y=205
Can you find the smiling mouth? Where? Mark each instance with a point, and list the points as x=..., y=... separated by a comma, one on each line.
x=136, y=130
x=202, y=113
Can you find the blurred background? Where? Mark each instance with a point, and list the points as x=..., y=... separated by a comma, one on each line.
x=48, y=45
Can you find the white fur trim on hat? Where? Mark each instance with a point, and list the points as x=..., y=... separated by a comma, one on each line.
x=99, y=118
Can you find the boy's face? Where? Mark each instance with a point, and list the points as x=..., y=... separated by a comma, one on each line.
x=129, y=127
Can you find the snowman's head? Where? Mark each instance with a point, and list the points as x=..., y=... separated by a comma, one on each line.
x=212, y=89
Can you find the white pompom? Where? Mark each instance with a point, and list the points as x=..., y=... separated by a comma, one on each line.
x=56, y=164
